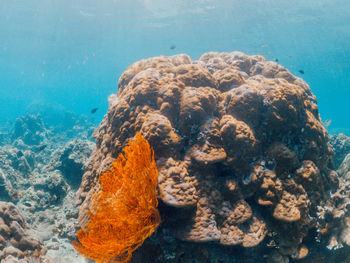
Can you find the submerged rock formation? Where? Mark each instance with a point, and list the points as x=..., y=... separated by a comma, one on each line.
x=242, y=154
x=71, y=160
x=336, y=212
x=29, y=129
x=341, y=145
x=18, y=242
x=40, y=177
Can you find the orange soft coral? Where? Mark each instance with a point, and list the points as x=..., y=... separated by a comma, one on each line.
x=124, y=213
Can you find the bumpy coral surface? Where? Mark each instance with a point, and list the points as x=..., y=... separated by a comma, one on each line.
x=18, y=243
x=241, y=151
x=336, y=212
x=124, y=213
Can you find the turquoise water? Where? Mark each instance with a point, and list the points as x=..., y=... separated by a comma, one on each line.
x=72, y=52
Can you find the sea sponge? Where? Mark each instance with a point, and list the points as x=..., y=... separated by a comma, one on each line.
x=124, y=213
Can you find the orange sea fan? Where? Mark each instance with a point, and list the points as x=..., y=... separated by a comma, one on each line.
x=124, y=213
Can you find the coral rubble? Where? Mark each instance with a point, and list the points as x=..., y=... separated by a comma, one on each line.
x=40, y=169
x=242, y=154
x=17, y=240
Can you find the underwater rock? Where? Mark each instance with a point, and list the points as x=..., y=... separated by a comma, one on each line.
x=71, y=161
x=48, y=201
x=35, y=176
x=341, y=146
x=15, y=167
x=52, y=183
x=16, y=238
x=344, y=168
x=29, y=129
x=241, y=151
x=5, y=187
x=335, y=215
x=37, y=180
x=62, y=121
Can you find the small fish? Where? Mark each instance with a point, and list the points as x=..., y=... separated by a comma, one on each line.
x=323, y=231
x=272, y=243
x=272, y=234
x=41, y=147
x=172, y=46
x=276, y=59
x=301, y=71
x=94, y=110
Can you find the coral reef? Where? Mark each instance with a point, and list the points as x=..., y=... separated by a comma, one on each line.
x=29, y=129
x=61, y=121
x=341, y=145
x=71, y=161
x=336, y=212
x=17, y=240
x=242, y=154
x=36, y=178
x=124, y=213
x=344, y=168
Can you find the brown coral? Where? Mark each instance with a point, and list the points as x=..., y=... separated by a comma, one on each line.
x=124, y=213
x=17, y=239
x=238, y=141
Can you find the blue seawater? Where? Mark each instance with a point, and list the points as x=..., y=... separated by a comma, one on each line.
x=71, y=53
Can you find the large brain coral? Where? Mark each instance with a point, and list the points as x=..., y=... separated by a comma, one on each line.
x=239, y=144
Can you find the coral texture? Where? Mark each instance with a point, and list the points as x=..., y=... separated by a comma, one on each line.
x=124, y=213
x=336, y=212
x=17, y=240
x=344, y=168
x=341, y=145
x=71, y=162
x=41, y=179
x=29, y=128
x=241, y=151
